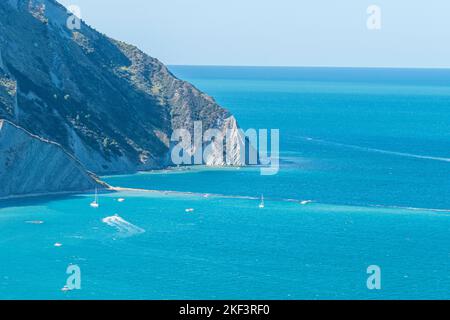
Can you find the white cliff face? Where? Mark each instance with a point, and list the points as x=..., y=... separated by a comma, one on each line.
x=229, y=153
x=32, y=165
x=223, y=144
x=235, y=150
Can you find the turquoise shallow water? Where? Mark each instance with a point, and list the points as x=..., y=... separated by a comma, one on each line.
x=367, y=146
x=227, y=248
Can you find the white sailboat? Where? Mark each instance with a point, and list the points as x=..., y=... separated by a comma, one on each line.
x=94, y=204
x=261, y=205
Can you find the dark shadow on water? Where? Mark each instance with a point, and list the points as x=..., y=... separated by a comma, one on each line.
x=44, y=199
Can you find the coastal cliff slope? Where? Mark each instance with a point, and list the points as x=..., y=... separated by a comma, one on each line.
x=32, y=165
x=107, y=103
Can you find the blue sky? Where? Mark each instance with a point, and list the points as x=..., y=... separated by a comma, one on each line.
x=414, y=33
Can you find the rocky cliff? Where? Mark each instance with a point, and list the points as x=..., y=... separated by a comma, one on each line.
x=32, y=165
x=105, y=102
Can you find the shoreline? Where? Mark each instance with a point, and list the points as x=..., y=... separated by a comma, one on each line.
x=204, y=195
x=198, y=194
x=184, y=169
x=116, y=189
x=109, y=188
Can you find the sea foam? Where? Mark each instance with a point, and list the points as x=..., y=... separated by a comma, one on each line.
x=124, y=227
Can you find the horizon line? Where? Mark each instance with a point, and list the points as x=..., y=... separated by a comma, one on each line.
x=315, y=66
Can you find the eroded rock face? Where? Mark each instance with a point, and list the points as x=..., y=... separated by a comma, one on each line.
x=107, y=103
x=32, y=165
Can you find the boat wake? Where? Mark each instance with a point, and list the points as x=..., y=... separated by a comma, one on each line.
x=125, y=228
x=374, y=150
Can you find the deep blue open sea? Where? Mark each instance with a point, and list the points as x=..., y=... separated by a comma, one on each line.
x=369, y=147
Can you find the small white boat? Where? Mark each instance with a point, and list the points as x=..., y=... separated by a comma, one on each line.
x=94, y=204
x=261, y=205
x=305, y=202
x=58, y=244
x=189, y=210
x=120, y=200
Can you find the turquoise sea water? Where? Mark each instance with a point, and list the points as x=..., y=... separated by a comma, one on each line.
x=369, y=147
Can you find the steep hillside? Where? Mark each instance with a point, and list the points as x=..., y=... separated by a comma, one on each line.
x=106, y=102
x=31, y=165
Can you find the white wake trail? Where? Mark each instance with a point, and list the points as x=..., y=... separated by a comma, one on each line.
x=366, y=149
x=124, y=227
